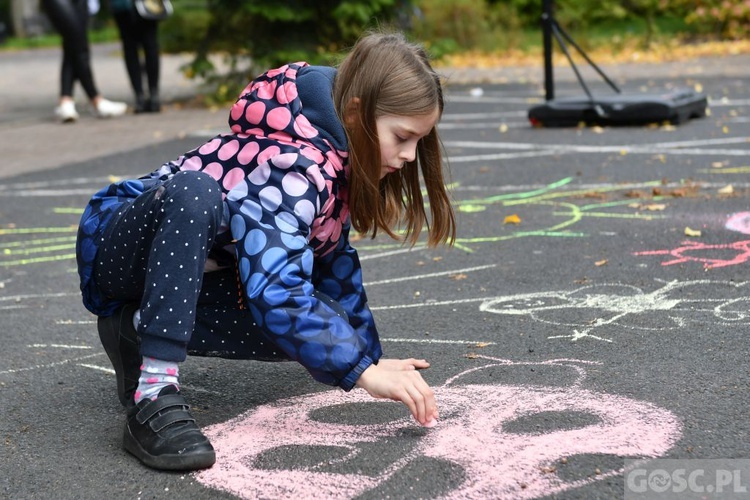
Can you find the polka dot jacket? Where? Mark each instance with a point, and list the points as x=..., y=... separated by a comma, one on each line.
x=283, y=175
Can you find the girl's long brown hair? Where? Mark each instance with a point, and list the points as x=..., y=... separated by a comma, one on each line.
x=387, y=75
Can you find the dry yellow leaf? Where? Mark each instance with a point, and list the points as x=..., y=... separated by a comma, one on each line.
x=600, y=263
x=654, y=207
x=512, y=219
x=458, y=277
x=651, y=207
x=728, y=189
x=481, y=345
x=692, y=232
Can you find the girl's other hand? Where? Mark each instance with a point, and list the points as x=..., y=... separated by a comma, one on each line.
x=400, y=381
x=403, y=364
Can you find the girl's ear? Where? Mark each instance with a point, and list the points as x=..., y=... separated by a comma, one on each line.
x=351, y=114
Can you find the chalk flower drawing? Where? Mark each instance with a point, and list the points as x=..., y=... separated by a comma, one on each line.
x=475, y=434
x=626, y=306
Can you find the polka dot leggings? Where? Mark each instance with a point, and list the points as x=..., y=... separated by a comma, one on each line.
x=154, y=253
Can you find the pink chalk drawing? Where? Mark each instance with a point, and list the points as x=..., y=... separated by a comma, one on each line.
x=589, y=309
x=742, y=249
x=496, y=463
x=739, y=222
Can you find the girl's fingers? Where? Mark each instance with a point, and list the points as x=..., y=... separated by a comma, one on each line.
x=419, y=412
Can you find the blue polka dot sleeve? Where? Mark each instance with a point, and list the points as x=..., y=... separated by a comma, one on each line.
x=276, y=262
x=339, y=275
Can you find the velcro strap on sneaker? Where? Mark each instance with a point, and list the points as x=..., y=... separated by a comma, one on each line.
x=169, y=418
x=159, y=404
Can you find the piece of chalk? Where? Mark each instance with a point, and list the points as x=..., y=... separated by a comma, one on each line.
x=431, y=423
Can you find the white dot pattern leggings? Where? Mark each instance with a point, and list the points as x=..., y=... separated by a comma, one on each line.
x=154, y=253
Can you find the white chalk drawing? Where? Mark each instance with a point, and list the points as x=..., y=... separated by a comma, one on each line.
x=590, y=308
x=475, y=435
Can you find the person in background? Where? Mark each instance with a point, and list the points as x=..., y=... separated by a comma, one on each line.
x=71, y=18
x=240, y=247
x=137, y=33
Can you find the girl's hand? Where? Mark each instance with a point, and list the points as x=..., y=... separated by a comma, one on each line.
x=400, y=381
x=403, y=364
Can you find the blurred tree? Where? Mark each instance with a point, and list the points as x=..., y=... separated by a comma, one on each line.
x=259, y=34
x=723, y=18
x=25, y=18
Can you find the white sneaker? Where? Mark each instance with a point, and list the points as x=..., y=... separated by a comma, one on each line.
x=66, y=112
x=107, y=109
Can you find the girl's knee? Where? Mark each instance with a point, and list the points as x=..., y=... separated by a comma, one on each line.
x=195, y=193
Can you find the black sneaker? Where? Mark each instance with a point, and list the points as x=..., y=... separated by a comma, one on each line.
x=163, y=434
x=121, y=342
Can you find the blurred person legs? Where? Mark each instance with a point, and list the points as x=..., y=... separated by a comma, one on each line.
x=70, y=19
x=139, y=35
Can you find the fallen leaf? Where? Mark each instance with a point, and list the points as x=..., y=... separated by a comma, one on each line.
x=437, y=259
x=458, y=277
x=597, y=129
x=651, y=207
x=481, y=345
x=503, y=128
x=593, y=194
x=600, y=263
x=636, y=194
x=471, y=355
x=654, y=207
x=692, y=232
x=512, y=219
x=728, y=189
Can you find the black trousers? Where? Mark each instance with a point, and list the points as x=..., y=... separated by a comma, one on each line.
x=70, y=18
x=137, y=33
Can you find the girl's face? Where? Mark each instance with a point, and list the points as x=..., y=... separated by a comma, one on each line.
x=399, y=135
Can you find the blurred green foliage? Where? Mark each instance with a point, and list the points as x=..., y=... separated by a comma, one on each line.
x=242, y=38
x=232, y=40
x=254, y=35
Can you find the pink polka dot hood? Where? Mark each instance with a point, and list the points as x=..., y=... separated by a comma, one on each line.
x=283, y=175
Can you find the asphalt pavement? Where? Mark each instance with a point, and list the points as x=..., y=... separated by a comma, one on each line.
x=591, y=320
